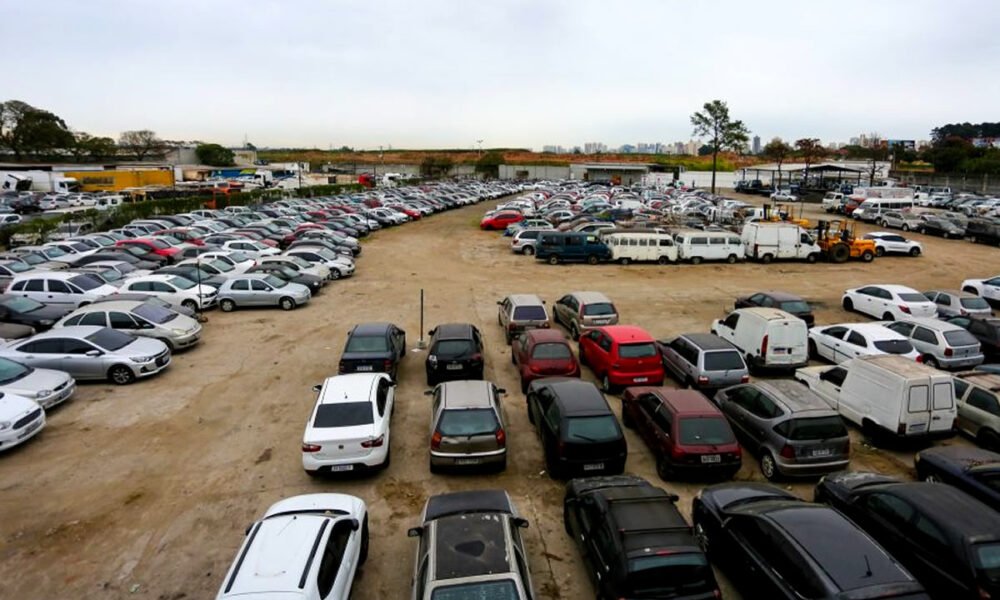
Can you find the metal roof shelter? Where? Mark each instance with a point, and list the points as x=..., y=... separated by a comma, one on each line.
x=820, y=175
x=617, y=173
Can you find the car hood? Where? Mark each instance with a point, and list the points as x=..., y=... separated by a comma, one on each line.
x=142, y=346
x=13, y=406
x=36, y=381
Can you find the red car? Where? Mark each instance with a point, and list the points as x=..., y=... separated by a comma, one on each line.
x=500, y=220
x=621, y=356
x=182, y=234
x=541, y=353
x=157, y=247
x=406, y=210
x=686, y=432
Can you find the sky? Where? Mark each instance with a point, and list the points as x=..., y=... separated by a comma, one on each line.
x=447, y=73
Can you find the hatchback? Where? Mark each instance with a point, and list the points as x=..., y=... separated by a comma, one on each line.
x=943, y=345
x=174, y=289
x=521, y=312
x=455, y=352
x=258, y=289
x=373, y=347
x=954, y=303
x=581, y=311
x=620, y=356
x=542, y=353
x=703, y=361
x=467, y=426
x=20, y=420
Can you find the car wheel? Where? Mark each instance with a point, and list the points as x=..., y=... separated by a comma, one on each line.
x=553, y=260
x=627, y=418
x=363, y=554
x=766, y=259
x=529, y=250
x=663, y=468
x=867, y=256
x=121, y=375
x=662, y=260
x=524, y=387
x=879, y=251
x=945, y=234
x=695, y=260
x=606, y=385
x=623, y=261
x=227, y=305
x=334, y=274
x=914, y=251
x=812, y=258
x=848, y=304
x=930, y=361
x=768, y=467
x=905, y=227
x=286, y=303
x=731, y=259
x=931, y=478
x=592, y=259
x=884, y=224
x=190, y=305
x=922, y=230
x=888, y=317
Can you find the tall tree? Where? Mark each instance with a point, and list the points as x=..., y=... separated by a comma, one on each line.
x=25, y=129
x=811, y=151
x=722, y=132
x=215, y=155
x=141, y=143
x=776, y=150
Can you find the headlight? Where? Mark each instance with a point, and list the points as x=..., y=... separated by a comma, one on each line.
x=178, y=331
x=432, y=359
x=43, y=393
x=4, y=425
x=141, y=359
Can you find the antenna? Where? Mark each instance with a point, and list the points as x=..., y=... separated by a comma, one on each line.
x=868, y=567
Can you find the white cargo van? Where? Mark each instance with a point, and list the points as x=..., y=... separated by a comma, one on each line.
x=695, y=245
x=635, y=246
x=873, y=208
x=769, y=338
x=889, y=393
x=769, y=241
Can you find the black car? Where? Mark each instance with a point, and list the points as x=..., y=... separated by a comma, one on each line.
x=317, y=243
x=780, y=546
x=983, y=230
x=984, y=329
x=631, y=532
x=26, y=206
x=579, y=433
x=789, y=303
x=456, y=352
x=25, y=311
x=950, y=540
x=942, y=227
x=314, y=283
x=973, y=470
x=373, y=347
x=192, y=272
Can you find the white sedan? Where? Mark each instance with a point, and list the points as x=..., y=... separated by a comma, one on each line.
x=251, y=248
x=174, y=289
x=987, y=288
x=837, y=343
x=892, y=243
x=240, y=262
x=784, y=195
x=348, y=429
x=20, y=420
x=888, y=302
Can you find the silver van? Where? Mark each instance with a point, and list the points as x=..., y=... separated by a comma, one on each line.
x=943, y=345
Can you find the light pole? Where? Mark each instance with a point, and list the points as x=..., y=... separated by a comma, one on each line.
x=480, y=142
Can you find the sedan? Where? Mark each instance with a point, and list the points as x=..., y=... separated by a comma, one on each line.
x=261, y=290
x=837, y=343
x=175, y=290
x=20, y=420
x=987, y=288
x=888, y=302
x=975, y=471
x=45, y=386
x=933, y=225
x=18, y=309
x=893, y=243
x=314, y=283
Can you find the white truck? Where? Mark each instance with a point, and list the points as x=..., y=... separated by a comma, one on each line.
x=37, y=181
x=767, y=241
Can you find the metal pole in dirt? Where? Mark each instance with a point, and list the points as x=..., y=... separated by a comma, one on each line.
x=421, y=344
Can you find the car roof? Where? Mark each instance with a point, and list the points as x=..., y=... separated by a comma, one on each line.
x=891, y=287
x=467, y=394
x=372, y=329
x=125, y=305
x=990, y=381
x=523, y=299
x=446, y=331
x=353, y=387
x=590, y=297
x=686, y=402
x=467, y=502
x=79, y=331
x=539, y=336
x=876, y=329
x=961, y=514
x=936, y=324
x=707, y=341
x=577, y=397
x=795, y=396
x=779, y=296
x=627, y=333
x=46, y=274
x=768, y=314
x=965, y=457
x=958, y=293
x=468, y=545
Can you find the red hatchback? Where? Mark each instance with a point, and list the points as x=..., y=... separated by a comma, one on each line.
x=541, y=353
x=686, y=432
x=157, y=247
x=621, y=356
x=500, y=220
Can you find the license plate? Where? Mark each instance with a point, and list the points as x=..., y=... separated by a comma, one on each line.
x=341, y=468
x=31, y=428
x=822, y=452
x=600, y=321
x=918, y=427
x=641, y=379
x=711, y=458
x=467, y=461
x=364, y=368
x=454, y=367
x=593, y=467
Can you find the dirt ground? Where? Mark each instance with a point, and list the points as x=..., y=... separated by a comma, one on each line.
x=145, y=491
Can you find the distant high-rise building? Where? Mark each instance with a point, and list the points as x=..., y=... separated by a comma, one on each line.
x=627, y=149
x=692, y=148
x=594, y=147
x=553, y=149
x=756, y=145
x=855, y=141
x=678, y=147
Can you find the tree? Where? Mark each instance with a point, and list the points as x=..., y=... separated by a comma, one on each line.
x=704, y=150
x=102, y=147
x=433, y=167
x=489, y=163
x=81, y=145
x=141, y=143
x=776, y=150
x=811, y=152
x=215, y=155
x=722, y=132
x=25, y=129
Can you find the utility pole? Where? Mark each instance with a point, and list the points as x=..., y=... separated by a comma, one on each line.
x=480, y=142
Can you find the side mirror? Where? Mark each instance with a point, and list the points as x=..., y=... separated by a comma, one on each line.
x=428, y=392
x=520, y=522
x=316, y=388
x=499, y=302
x=501, y=391
x=414, y=532
x=355, y=525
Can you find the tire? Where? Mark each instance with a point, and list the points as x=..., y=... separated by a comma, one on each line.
x=879, y=251
x=839, y=253
x=524, y=386
x=731, y=259
x=922, y=230
x=227, y=305
x=624, y=261
x=190, y=304
x=914, y=251
x=971, y=290
x=945, y=234
x=363, y=554
x=813, y=352
x=766, y=259
x=884, y=224
x=662, y=260
x=606, y=386
x=905, y=227
x=931, y=478
x=334, y=274
x=695, y=260
x=592, y=259
x=626, y=419
x=286, y=303
x=930, y=361
x=768, y=467
x=812, y=258
x=529, y=251
x=848, y=304
x=170, y=345
x=553, y=260
x=888, y=317
x=552, y=466
x=121, y=375
x=663, y=469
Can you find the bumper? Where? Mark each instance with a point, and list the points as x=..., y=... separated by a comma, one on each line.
x=57, y=397
x=722, y=470
x=467, y=372
x=472, y=461
x=652, y=378
x=208, y=302
x=961, y=362
x=9, y=439
x=375, y=458
x=150, y=368
x=186, y=341
x=791, y=469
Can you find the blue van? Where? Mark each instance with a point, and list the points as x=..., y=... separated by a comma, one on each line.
x=570, y=246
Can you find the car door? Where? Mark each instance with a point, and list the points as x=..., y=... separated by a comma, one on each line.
x=727, y=328
x=944, y=303
x=854, y=345
x=674, y=359
x=165, y=291
x=750, y=554
x=60, y=293
x=76, y=361
x=991, y=288
x=646, y=406
x=338, y=562
x=45, y=353
x=828, y=342
x=261, y=293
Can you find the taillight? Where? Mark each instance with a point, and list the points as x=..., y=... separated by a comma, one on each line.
x=377, y=442
x=763, y=346
x=477, y=357
x=787, y=451
x=501, y=437
x=387, y=365
x=436, y=440
x=677, y=453
x=545, y=325
x=311, y=448
x=983, y=594
x=341, y=366
x=949, y=351
x=703, y=379
x=745, y=379
x=904, y=308
x=920, y=359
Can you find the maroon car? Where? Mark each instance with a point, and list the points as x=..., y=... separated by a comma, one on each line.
x=539, y=353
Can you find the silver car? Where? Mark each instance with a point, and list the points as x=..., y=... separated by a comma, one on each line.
x=299, y=264
x=943, y=345
x=899, y=220
x=580, y=311
x=467, y=426
x=45, y=386
x=978, y=407
x=149, y=299
x=953, y=303
x=139, y=318
x=90, y=352
x=255, y=289
x=703, y=361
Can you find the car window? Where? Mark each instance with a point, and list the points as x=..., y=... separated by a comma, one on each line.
x=922, y=334
x=980, y=399
x=813, y=428
x=467, y=422
x=902, y=328
x=551, y=351
x=857, y=339
x=75, y=346
x=43, y=346
x=240, y=285
x=604, y=342
x=333, y=554
x=891, y=509
x=367, y=343
x=724, y=360
x=705, y=430
x=960, y=338
x=343, y=414
x=835, y=332
x=258, y=285
x=592, y=429
x=58, y=287
x=94, y=318
x=731, y=321
x=648, y=403
x=918, y=399
x=120, y=320
x=662, y=419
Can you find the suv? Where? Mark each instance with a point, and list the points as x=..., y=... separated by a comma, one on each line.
x=307, y=547
x=579, y=433
x=978, y=396
x=794, y=431
x=943, y=345
x=470, y=546
x=632, y=535
x=455, y=352
x=467, y=426
x=580, y=311
x=687, y=433
x=703, y=361
x=373, y=347
x=521, y=312
x=620, y=356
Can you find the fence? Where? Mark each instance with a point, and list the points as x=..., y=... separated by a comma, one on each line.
x=958, y=182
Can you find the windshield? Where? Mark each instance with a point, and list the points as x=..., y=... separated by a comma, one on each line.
x=960, y=337
x=705, y=430
x=344, y=414
x=592, y=429
x=367, y=343
x=52, y=252
x=86, y=282
x=221, y=265
x=158, y=243
x=109, y=274
x=109, y=339
x=641, y=350
x=815, y=428
x=987, y=557
x=286, y=272
x=19, y=304
x=11, y=371
x=136, y=250
x=530, y=313
x=551, y=351
x=124, y=268
x=598, y=309
x=795, y=307
x=453, y=348
x=238, y=257
x=669, y=575
x=894, y=346
x=301, y=262
x=976, y=303
x=727, y=360
x=503, y=589
x=275, y=282
x=33, y=259
x=181, y=283
x=913, y=297
x=154, y=314
x=467, y=422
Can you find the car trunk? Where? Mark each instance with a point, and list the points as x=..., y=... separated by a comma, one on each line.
x=815, y=440
x=467, y=433
x=784, y=343
x=593, y=442
x=338, y=443
x=549, y=367
x=365, y=362
x=961, y=344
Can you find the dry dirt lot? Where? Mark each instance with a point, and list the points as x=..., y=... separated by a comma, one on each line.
x=145, y=491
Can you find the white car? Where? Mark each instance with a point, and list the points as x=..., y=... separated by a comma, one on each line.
x=837, y=343
x=252, y=248
x=298, y=264
x=174, y=289
x=20, y=420
x=339, y=265
x=987, y=288
x=349, y=426
x=47, y=387
x=240, y=262
x=888, y=302
x=304, y=548
x=893, y=243
x=784, y=195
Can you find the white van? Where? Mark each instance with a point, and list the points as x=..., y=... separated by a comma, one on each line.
x=887, y=392
x=769, y=241
x=769, y=338
x=635, y=246
x=873, y=208
x=109, y=202
x=695, y=246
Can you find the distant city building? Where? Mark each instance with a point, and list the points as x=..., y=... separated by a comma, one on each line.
x=921, y=144
x=855, y=141
x=756, y=145
x=554, y=149
x=678, y=147
x=594, y=147
x=986, y=142
x=627, y=149
x=904, y=144
x=692, y=148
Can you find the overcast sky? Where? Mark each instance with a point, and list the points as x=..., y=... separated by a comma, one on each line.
x=443, y=74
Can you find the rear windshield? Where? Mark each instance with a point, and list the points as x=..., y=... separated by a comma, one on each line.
x=641, y=350
x=473, y=421
x=960, y=338
x=486, y=590
x=976, y=303
x=530, y=313
x=344, y=414
x=723, y=361
x=894, y=346
x=815, y=428
x=913, y=298
x=705, y=430
x=987, y=557
x=794, y=307
x=367, y=343
x=592, y=429
x=86, y=282
x=669, y=575
x=221, y=265
x=551, y=351
x=453, y=348
x=598, y=309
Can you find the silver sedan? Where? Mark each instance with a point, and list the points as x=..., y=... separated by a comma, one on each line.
x=261, y=290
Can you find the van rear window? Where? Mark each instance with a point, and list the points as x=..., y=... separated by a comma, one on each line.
x=530, y=313
x=641, y=350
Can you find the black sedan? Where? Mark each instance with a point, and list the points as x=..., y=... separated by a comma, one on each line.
x=973, y=470
x=984, y=329
x=25, y=311
x=942, y=227
x=315, y=284
x=789, y=303
x=780, y=546
x=373, y=347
